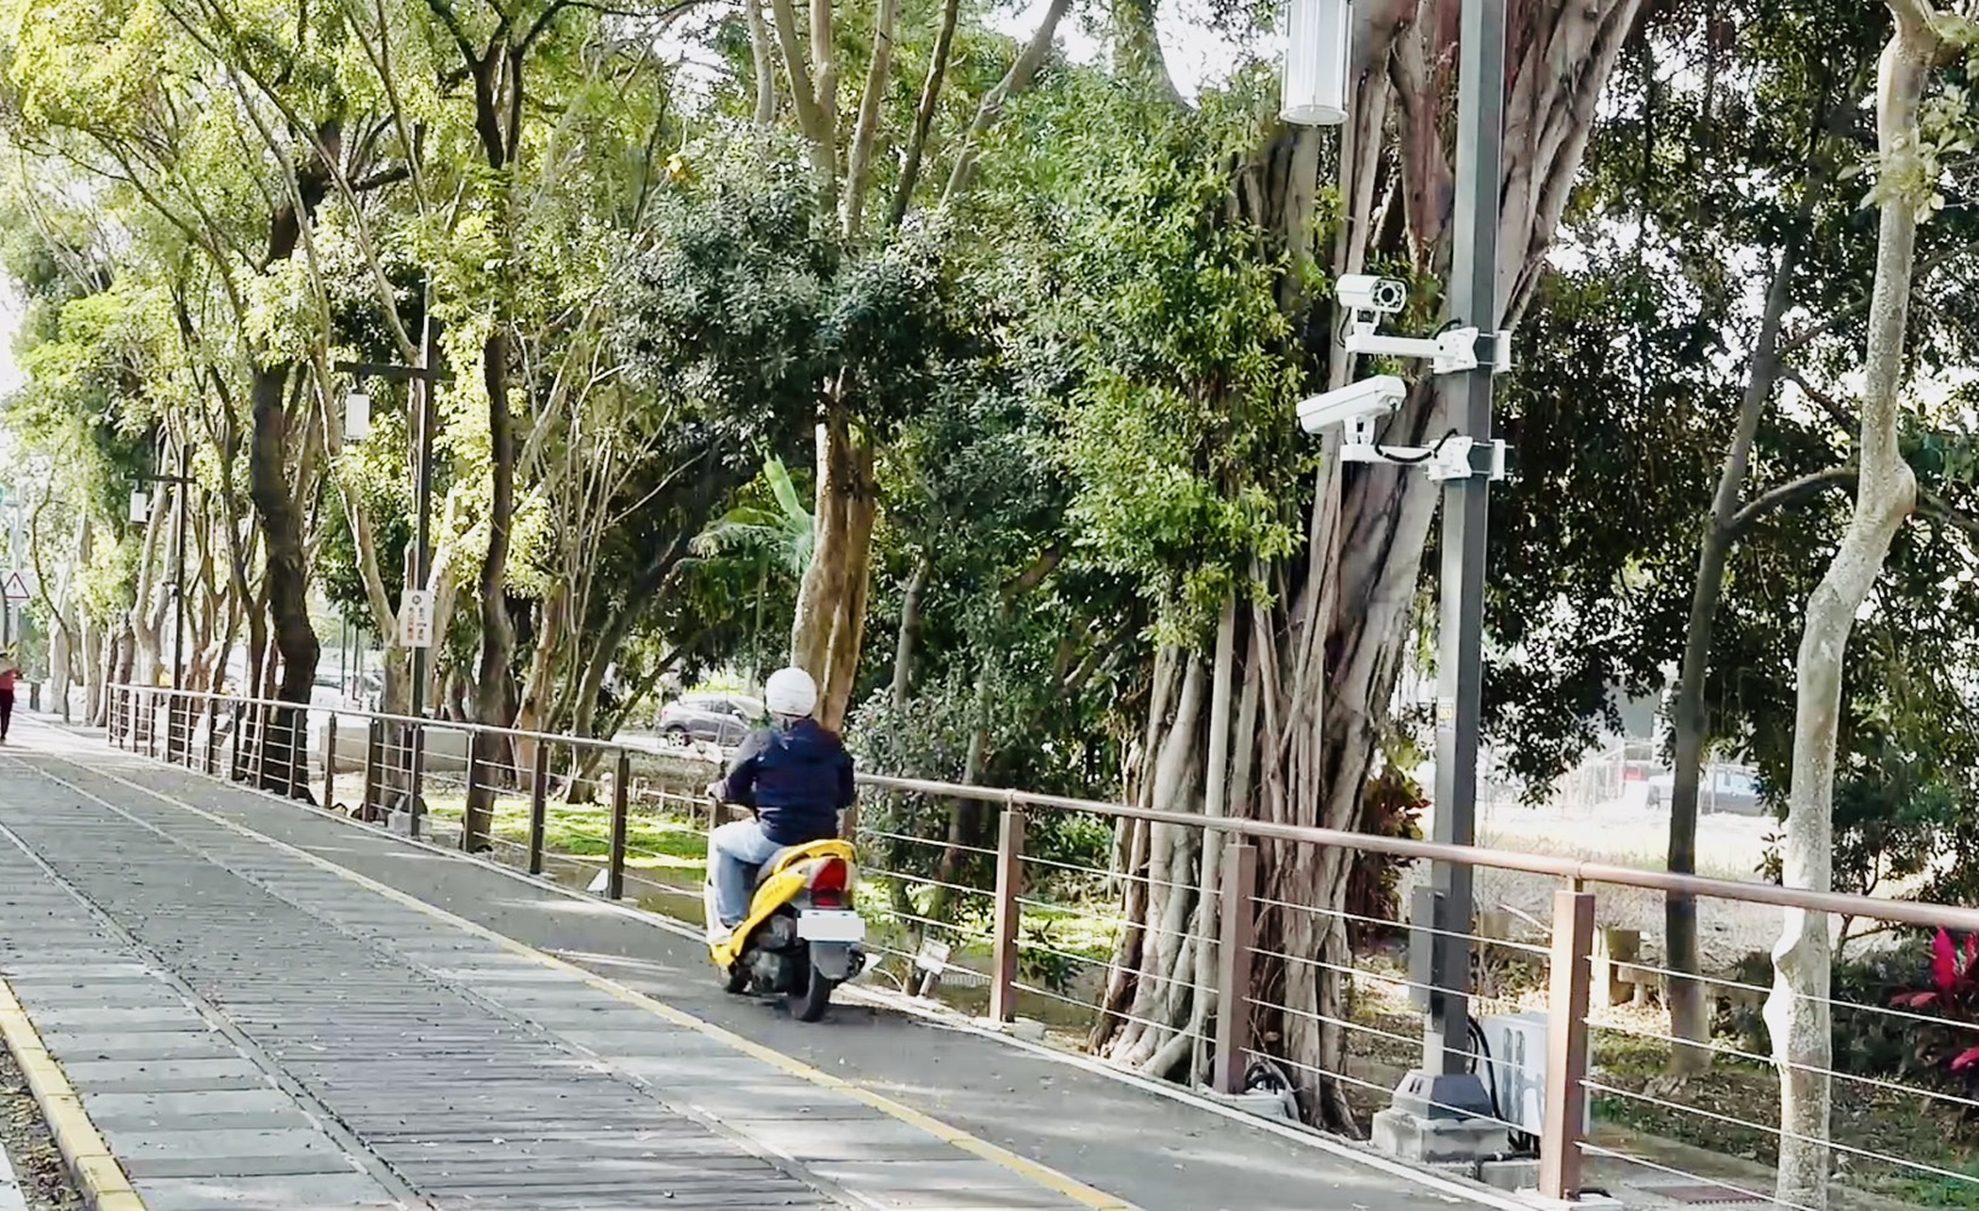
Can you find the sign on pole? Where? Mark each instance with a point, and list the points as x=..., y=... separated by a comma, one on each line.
x=416, y=618
x=17, y=588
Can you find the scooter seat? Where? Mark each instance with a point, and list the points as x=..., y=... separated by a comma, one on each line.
x=769, y=868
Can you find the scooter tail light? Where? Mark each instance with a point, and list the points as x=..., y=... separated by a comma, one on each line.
x=830, y=882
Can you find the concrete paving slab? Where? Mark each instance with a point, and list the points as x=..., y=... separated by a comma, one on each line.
x=300, y=1192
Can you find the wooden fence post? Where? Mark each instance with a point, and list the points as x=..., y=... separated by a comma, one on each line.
x=615, y=861
x=1233, y=965
x=1009, y=913
x=473, y=779
x=330, y=763
x=1566, y=1045
x=539, y=795
x=374, y=739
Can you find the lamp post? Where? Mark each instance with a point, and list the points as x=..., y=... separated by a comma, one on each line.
x=1441, y=1110
x=357, y=427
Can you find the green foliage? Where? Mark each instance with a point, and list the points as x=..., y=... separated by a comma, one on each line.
x=1175, y=418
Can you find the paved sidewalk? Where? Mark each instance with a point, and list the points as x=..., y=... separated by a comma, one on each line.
x=418, y=1057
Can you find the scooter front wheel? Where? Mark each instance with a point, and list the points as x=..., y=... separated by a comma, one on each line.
x=735, y=978
x=809, y=1004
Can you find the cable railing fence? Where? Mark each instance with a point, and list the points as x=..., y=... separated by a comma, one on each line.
x=1017, y=905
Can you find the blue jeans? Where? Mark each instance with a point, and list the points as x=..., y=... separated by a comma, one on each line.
x=735, y=850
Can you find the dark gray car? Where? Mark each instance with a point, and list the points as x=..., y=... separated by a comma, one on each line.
x=722, y=719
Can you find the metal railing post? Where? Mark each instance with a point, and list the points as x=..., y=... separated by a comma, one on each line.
x=151, y=727
x=1009, y=883
x=235, y=765
x=473, y=780
x=1566, y=1045
x=260, y=746
x=1237, y=932
x=615, y=860
x=374, y=739
x=539, y=797
x=297, y=730
x=330, y=763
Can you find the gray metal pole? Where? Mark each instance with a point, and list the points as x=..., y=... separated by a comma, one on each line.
x=422, y=387
x=1460, y=661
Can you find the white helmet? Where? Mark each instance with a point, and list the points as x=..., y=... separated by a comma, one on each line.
x=790, y=692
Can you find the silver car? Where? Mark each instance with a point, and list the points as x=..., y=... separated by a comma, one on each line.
x=722, y=719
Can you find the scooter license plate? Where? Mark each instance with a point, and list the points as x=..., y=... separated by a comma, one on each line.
x=821, y=926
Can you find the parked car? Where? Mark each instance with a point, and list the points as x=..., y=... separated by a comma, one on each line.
x=722, y=719
x=1720, y=789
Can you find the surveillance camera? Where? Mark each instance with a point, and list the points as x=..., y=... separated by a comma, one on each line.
x=1365, y=292
x=1356, y=405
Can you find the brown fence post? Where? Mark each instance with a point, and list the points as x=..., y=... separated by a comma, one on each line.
x=330, y=763
x=1233, y=965
x=539, y=797
x=415, y=804
x=1009, y=883
x=1566, y=1045
x=374, y=739
x=615, y=861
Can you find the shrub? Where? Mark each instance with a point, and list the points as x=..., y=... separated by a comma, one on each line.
x=1953, y=996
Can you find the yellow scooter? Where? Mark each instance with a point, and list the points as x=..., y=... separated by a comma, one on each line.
x=802, y=937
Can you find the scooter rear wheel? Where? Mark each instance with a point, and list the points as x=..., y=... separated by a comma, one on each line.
x=810, y=1004
x=735, y=979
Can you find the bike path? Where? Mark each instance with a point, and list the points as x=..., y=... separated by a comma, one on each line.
x=856, y=1101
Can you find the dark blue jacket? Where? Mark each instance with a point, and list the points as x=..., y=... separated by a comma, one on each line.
x=798, y=778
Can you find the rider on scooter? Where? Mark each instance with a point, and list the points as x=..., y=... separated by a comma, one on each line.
x=795, y=774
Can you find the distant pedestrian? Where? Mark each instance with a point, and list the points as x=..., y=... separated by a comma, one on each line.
x=9, y=674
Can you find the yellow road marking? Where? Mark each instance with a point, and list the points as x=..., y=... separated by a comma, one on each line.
x=104, y=1183
x=1078, y=1192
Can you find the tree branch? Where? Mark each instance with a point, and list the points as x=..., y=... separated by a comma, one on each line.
x=1794, y=491
x=858, y=170
x=1835, y=319
x=1016, y=80
x=924, y=116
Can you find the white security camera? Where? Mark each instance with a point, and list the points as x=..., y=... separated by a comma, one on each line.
x=1356, y=405
x=1365, y=292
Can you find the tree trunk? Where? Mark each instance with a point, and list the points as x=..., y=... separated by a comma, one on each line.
x=533, y=711
x=287, y=577
x=910, y=631
x=492, y=706
x=831, y=602
x=1797, y=1012
x=1685, y=997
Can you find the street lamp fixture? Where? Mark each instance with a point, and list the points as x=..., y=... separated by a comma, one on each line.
x=357, y=415
x=1319, y=47
x=140, y=507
